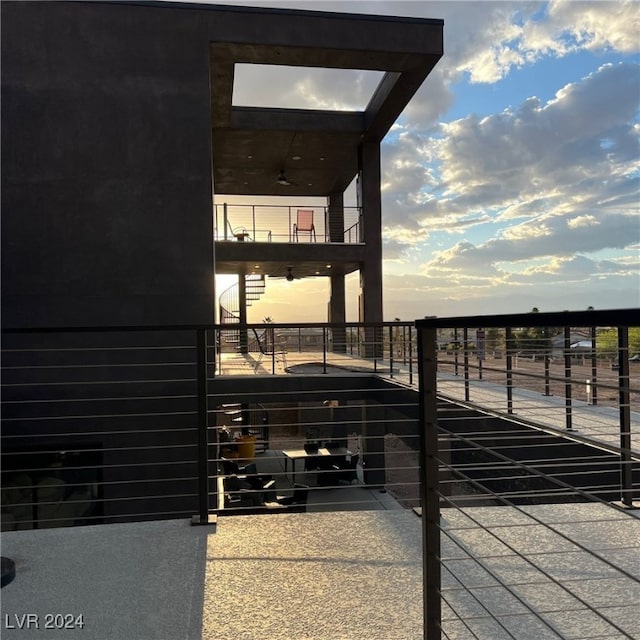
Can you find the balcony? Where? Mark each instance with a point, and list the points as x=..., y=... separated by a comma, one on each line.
x=278, y=224
x=482, y=506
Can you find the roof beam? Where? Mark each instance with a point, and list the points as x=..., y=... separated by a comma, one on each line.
x=261, y=118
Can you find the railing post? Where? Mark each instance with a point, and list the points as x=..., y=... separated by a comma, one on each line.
x=324, y=350
x=203, y=517
x=429, y=489
x=594, y=368
x=253, y=222
x=465, y=345
x=508, y=338
x=215, y=351
x=567, y=379
x=391, y=352
x=624, y=400
x=547, y=376
x=455, y=351
x=226, y=219
x=272, y=335
x=404, y=344
x=410, y=356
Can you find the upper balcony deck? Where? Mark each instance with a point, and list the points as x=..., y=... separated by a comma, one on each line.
x=281, y=224
x=320, y=241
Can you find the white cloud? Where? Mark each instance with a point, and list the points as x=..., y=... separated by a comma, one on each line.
x=551, y=236
x=560, y=167
x=507, y=35
x=583, y=221
x=584, y=133
x=560, y=283
x=596, y=25
x=567, y=269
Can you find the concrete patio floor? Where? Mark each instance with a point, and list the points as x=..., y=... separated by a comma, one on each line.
x=509, y=573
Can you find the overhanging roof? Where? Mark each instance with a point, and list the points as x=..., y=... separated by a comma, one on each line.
x=251, y=145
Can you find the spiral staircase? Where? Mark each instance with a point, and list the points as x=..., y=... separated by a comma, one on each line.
x=251, y=420
x=229, y=306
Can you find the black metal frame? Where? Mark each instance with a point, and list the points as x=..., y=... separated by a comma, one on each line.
x=429, y=453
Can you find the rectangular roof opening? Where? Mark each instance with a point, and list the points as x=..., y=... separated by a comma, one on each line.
x=281, y=86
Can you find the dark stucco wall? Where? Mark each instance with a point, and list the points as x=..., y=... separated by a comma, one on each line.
x=106, y=166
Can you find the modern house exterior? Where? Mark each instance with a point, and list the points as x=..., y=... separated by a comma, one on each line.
x=119, y=132
x=122, y=150
x=120, y=127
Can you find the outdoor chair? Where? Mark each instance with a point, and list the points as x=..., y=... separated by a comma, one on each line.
x=304, y=224
x=267, y=347
x=244, y=487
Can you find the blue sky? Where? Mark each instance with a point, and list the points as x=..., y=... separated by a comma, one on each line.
x=511, y=180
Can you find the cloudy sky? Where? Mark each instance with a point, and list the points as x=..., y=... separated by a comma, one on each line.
x=511, y=180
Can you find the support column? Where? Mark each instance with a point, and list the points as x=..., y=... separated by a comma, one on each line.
x=337, y=312
x=335, y=212
x=337, y=306
x=371, y=268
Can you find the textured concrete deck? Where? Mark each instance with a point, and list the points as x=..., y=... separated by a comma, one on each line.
x=333, y=576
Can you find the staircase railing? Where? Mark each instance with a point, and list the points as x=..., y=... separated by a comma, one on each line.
x=229, y=306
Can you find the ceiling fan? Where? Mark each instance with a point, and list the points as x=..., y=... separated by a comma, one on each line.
x=289, y=277
x=282, y=180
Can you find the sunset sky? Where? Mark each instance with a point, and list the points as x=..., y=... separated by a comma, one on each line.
x=511, y=180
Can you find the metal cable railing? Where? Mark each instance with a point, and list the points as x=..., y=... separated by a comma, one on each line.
x=109, y=425
x=114, y=416
x=277, y=223
x=99, y=426
x=388, y=349
x=521, y=485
